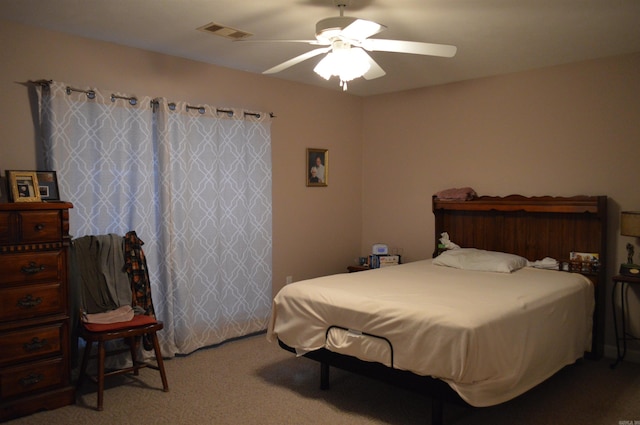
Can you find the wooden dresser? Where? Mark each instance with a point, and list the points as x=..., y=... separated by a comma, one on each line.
x=34, y=308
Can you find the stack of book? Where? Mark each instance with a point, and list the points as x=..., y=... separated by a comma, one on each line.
x=377, y=261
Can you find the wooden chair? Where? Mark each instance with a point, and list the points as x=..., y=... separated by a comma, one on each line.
x=128, y=327
x=131, y=331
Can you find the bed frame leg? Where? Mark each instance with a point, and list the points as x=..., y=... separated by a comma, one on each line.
x=324, y=376
x=437, y=411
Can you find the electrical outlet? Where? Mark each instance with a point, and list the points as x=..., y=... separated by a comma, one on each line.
x=289, y=280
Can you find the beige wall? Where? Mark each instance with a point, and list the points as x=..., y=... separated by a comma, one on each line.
x=316, y=231
x=561, y=131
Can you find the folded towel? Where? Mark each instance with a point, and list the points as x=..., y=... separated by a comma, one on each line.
x=120, y=314
x=545, y=263
x=457, y=194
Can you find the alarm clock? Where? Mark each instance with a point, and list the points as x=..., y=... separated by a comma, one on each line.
x=630, y=270
x=380, y=249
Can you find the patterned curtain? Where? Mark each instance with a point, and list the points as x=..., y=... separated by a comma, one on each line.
x=215, y=200
x=193, y=182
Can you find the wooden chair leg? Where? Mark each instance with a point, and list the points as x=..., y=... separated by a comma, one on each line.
x=101, y=357
x=133, y=349
x=156, y=349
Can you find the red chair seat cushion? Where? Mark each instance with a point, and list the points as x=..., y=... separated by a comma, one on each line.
x=137, y=321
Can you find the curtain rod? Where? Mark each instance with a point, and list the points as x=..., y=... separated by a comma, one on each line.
x=132, y=100
x=202, y=110
x=229, y=112
x=91, y=94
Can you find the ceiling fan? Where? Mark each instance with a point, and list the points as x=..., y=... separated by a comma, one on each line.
x=346, y=40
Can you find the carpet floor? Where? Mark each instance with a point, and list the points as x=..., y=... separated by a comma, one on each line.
x=250, y=381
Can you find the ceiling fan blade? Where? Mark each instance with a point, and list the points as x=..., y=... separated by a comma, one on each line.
x=297, y=60
x=361, y=29
x=375, y=71
x=414, y=47
x=313, y=42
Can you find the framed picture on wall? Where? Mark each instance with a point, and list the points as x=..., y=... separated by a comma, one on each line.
x=48, y=185
x=317, y=167
x=23, y=186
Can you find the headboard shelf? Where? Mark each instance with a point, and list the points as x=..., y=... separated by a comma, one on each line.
x=575, y=204
x=534, y=228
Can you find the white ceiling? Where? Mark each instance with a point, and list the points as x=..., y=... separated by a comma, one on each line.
x=493, y=36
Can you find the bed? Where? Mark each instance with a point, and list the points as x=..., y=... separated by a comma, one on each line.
x=477, y=337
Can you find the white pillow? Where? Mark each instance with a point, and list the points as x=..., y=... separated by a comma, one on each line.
x=480, y=260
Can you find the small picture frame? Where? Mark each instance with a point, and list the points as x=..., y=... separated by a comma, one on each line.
x=584, y=262
x=23, y=186
x=4, y=191
x=317, y=167
x=48, y=185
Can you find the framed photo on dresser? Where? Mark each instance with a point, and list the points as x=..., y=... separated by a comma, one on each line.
x=23, y=186
x=48, y=185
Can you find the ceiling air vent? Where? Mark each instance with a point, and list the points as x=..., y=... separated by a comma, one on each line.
x=224, y=31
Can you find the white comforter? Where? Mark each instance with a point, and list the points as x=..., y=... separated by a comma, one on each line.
x=490, y=336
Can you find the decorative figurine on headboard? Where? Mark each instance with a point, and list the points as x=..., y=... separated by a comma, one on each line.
x=630, y=269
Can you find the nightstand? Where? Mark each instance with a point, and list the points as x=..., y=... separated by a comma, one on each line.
x=619, y=283
x=353, y=269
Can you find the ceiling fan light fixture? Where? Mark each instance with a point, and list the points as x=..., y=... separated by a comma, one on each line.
x=345, y=62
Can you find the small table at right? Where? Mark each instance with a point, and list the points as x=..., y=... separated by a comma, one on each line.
x=619, y=283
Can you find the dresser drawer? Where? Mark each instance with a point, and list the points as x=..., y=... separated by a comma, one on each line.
x=22, y=302
x=31, y=267
x=40, y=226
x=31, y=377
x=32, y=343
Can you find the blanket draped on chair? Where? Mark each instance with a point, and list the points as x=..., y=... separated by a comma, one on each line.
x=136, y=267
x=104, y=284
x=112, y=272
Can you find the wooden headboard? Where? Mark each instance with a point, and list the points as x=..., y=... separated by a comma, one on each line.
x=534, y=228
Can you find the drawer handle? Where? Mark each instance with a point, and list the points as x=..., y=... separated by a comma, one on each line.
x=39, y=226
x=32, y=268
x=35, y=345
x=32, y=379
x=29, y=302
